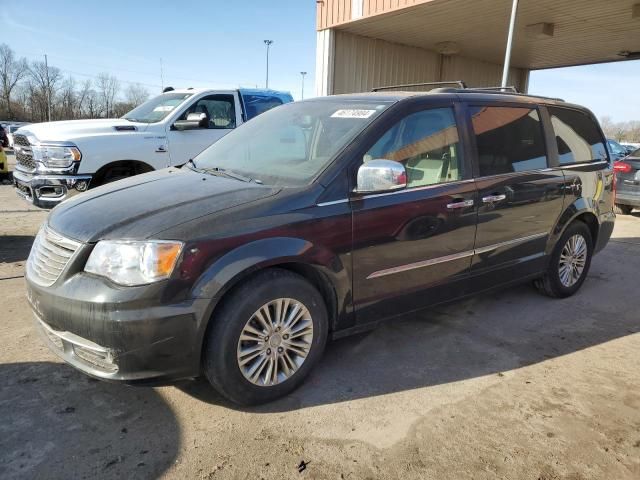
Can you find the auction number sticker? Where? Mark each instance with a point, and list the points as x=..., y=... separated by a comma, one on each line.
x=353, y=113
x=164, y=108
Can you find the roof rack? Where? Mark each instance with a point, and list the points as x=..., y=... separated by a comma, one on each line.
x=462, y=87
x=459, y=83
x=510, y=89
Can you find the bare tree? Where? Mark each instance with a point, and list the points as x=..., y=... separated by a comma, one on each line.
x=68, y=99
x=12, y=70
x=136, y=94
x=44, y=83
x=108, y=88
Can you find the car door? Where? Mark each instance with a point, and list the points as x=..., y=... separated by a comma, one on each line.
x=222, y=117
x=413, y=247
x=520, y=194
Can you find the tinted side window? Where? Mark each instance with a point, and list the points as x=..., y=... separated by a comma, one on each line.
x=256, y=104
x=509, y=139
x=577, y=135
x=427, y=143
x=220, y=110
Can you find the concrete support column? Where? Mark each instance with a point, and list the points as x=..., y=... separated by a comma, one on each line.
x=325, y=54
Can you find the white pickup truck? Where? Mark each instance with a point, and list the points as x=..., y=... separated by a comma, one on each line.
x=58, y=159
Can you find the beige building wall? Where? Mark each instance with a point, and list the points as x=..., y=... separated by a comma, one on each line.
x=362, y=63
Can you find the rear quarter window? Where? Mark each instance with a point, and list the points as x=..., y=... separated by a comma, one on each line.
x=256, y=104
x=509, y=139
x=577, y=136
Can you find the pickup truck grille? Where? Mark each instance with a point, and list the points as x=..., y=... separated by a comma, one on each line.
x=49, y=256
x=24, y=155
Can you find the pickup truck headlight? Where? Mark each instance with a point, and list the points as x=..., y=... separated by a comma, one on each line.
x=54, y=156
x=134, y=263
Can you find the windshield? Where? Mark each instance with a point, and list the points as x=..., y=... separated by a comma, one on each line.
x=157, y=108
x=616, y=147
x=635, y=153
x=291, y=144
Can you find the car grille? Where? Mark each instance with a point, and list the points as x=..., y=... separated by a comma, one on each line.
x=24, y=155
x=49, y=256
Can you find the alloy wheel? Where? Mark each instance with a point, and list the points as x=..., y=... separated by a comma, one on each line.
x=573, y=260
x=275, y=342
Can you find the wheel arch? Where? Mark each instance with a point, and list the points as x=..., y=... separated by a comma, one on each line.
x=320, y=267
x=138, y=166
x=578, y=211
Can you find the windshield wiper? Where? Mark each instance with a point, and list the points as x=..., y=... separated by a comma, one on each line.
x=192, y=165
x=226, y=173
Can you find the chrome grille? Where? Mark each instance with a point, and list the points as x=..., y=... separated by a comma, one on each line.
x=49, y=256
x=21, y=140
x=24, y=154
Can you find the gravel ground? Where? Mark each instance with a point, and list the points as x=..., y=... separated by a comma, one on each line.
x=509, y=386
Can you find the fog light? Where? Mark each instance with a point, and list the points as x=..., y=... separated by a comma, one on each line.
x=82, y=185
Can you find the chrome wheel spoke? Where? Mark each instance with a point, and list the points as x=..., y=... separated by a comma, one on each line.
x=275, y=342
x=573, y=260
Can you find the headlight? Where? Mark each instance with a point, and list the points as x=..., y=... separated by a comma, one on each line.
x=134, y=263
x=56, y=156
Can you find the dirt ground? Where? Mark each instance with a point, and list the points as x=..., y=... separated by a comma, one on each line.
x=509, y=386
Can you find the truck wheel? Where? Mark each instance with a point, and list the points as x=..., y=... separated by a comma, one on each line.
x=620, y=209
x=569, y=264
x=266, y=338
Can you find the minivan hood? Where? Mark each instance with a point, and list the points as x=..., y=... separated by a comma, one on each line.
x=74, y=129
x=141, y=206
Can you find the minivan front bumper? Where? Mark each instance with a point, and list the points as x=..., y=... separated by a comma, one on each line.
x=119, y=334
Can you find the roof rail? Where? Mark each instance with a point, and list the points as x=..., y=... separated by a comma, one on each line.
x=510, y=89
x=459, y=83
x=462, y=87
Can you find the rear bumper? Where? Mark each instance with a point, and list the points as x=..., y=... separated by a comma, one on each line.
x=47, y=191
x=628, y=197
x=607, y=221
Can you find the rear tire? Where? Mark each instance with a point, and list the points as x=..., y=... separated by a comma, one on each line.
x=569, y=264
x=620, y=209
x=254, y=335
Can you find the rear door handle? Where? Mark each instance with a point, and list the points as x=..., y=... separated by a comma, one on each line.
x=460, y=204
x=494, y=198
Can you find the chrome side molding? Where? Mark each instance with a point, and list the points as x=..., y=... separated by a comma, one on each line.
x=455, y=256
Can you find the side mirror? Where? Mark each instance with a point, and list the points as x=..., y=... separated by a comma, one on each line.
x=193, y=122
x=381, y=175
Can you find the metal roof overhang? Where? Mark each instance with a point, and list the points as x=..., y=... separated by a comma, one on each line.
x=584, y=31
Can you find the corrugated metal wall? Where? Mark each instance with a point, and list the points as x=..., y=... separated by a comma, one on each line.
x=332, y=12
x=362, y=63
x=335, y=12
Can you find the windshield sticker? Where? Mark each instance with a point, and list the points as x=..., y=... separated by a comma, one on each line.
x=353, y=113
x=164, y=108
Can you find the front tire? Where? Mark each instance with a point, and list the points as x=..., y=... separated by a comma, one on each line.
x=266, y=338
x=620, y=209
x=569, y=264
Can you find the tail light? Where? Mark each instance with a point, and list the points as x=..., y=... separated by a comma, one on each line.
x=622, y=167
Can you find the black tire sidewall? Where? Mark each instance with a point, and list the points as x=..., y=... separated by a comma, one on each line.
x=554, y=268
x=220, y=357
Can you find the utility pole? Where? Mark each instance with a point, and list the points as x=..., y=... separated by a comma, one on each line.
x=303, y=74
x=268, y=44
x=161, y=76
x=507, y=55
x=46, y=68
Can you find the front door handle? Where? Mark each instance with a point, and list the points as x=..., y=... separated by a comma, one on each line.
x=494, y=198
x=460, y=204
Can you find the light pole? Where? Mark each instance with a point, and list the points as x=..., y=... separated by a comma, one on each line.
x=303, y=74
x=507, y=55
x=268, y=44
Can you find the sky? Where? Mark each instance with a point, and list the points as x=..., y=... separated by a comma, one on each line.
x=219, y=44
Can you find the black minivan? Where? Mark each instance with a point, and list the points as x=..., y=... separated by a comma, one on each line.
x=319, y=219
